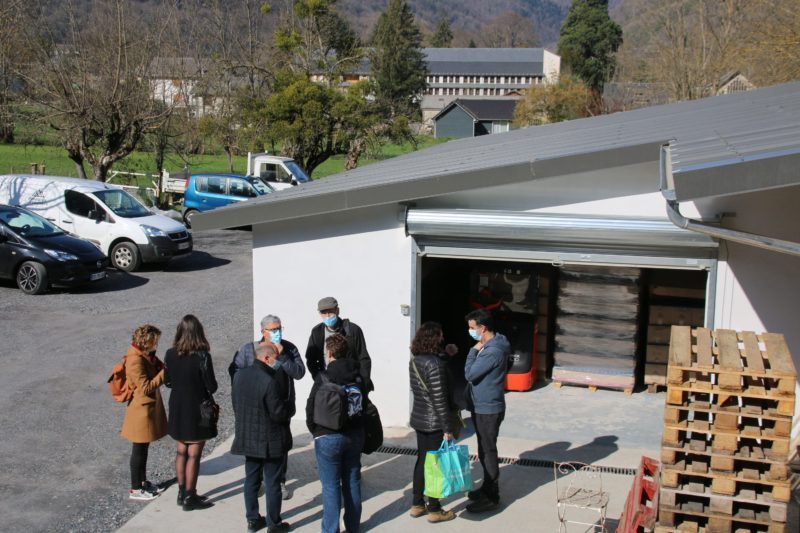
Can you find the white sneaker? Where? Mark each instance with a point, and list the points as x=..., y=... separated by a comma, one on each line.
x=286, y=493
x=142, y=495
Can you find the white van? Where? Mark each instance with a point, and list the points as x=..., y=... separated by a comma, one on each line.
x=104, y=214
x=277, y=172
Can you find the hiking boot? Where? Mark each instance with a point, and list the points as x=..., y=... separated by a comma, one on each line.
x=181, y=495
x=286, y=493
x=440, y=516
x=256, y=525
x=417, y=511
x=194, y=502
x=141, y=495
x=482, y=505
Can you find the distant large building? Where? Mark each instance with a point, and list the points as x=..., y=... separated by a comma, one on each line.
x=483, y=73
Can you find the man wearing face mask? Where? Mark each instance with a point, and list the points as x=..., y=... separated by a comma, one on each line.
x=289, y=367
x=485, y=371
x=331, y=323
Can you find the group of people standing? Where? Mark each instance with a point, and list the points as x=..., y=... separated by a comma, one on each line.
x=263, y=396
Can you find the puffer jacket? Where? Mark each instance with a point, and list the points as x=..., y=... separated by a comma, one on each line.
x=432, y=410
x=262, y=414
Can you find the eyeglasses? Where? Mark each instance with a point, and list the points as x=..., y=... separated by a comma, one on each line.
x=273, y=329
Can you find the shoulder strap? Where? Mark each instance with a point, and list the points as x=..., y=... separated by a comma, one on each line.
x=419, y=377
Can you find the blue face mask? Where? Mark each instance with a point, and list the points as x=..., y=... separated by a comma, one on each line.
x=474, y=334
x=275, y=336
x=330, y=321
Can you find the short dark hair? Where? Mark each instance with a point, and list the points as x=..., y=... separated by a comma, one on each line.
x=428, y=339
x=336, y=344
x=482, y=317
x=190, y=336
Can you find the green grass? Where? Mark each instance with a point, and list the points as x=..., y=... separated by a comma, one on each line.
x=17, y=158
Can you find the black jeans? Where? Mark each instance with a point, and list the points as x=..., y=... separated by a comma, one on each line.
x=426, y=442
x=284, y=466
x=487, y=428
x=267, y=470
x=139, y=464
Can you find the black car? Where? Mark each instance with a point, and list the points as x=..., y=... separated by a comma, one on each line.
x=38, y=254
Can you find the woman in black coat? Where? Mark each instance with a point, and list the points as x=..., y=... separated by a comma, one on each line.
x=432, y=415
x=190, y=374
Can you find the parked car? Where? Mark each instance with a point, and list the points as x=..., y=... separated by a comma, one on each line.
x=106, y=215
x=209, y=191
x=38, y=254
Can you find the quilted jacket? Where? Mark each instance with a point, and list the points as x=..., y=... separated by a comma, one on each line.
x=432, y=410
x=262, y=413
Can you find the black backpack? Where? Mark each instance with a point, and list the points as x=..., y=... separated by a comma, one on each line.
x=335, y=405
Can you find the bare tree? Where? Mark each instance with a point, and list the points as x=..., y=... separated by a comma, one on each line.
x=509, y=30
x=95, y=87
x=11, y=56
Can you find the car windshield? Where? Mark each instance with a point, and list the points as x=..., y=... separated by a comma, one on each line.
x=122, y=204
x=27, y=224
x=297, y=172
x=260, y=186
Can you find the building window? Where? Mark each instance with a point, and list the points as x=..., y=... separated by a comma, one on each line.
x=500, y=126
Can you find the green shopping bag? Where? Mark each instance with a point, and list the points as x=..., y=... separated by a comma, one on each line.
x=447, y=470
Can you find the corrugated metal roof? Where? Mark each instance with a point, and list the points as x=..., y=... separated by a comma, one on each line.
x=495, y=109
x=704, y=132
x=485, y=61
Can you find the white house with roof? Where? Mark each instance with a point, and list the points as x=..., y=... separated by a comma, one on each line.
x=700, y=195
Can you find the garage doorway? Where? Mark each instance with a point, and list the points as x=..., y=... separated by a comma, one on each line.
x=538, y=307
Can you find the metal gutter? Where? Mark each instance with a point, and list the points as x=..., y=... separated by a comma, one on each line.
x=675, y=216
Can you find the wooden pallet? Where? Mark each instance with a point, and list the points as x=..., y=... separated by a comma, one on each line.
x=746, y=458
x=709, y=360
x=698, y=500
x=691, y=392
x=692, y=525
x=749, y=484
x=593, y=388
x=728, y=443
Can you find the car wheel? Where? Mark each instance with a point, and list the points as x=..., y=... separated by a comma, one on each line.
x=125, y=256
x=32, y=278
x=188, y=216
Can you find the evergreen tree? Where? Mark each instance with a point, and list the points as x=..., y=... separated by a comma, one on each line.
x=472, y=44
x=398, y=64
x=443, y=36
x=587, y=44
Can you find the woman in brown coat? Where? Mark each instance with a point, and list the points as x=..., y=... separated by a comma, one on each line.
x=145, y=418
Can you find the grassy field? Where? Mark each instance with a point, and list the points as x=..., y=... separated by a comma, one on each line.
x=19, y=158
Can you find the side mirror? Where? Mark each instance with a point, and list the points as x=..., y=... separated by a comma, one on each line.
x=3, y=237
x=96, y=214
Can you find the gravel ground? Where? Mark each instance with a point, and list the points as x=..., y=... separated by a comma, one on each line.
x=64, y=466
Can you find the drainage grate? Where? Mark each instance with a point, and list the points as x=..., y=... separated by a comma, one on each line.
x=534, y=463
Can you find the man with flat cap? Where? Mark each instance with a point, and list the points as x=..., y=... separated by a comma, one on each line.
x=328, y=309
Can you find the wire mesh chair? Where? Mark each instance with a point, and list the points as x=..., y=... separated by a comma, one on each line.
x=579, y=493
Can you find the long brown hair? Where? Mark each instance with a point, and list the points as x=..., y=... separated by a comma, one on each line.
x=190, y=336
x=428, y=339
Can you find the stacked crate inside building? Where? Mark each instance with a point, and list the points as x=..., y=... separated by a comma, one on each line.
x=596, y=327
x=727, y=430
x=669, y=304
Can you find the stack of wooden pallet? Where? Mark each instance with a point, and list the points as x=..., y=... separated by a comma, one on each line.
x=727, y=426
x=668, y=305
x=595, y=341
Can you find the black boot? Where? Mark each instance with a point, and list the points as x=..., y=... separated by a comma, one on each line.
x=181, y=494
x=192, y=501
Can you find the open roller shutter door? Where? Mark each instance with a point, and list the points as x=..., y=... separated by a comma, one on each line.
x=558, y=239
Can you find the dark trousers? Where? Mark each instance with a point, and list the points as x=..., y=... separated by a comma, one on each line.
x=268, y=471
x=284, y=467
x=139, y=464
x=426, y=442
x=487, y=427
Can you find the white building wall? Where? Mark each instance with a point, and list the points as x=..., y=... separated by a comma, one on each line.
x=362, y=258
x=551, y=65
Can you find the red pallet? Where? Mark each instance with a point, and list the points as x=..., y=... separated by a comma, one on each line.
x=641, y=507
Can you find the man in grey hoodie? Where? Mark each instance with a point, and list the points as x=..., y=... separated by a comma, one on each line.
x=485, y=371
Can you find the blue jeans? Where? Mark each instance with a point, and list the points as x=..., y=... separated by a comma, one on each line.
x=268, y=470
x=339, y=467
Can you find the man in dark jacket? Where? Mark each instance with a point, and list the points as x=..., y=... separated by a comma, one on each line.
x=290, y=368
x=261, y=435
x=331, y=323
x=485, y=371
